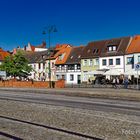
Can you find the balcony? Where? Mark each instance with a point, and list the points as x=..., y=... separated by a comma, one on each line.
x=69, y=69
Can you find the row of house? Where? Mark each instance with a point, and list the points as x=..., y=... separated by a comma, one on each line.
x=109, y=58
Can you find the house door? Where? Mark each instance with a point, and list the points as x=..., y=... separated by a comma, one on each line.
x=78, y=79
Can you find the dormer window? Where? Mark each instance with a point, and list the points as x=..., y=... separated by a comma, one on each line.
x=95, y=51
x=71, y=57
x=88, y=51
x=43, y=56
x=112, y=48
x=61, y=56
x=79, y=56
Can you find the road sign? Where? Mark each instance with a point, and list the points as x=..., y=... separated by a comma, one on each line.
x=137, y=67
x=3, y=73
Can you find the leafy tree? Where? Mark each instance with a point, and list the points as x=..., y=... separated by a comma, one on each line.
x=16, y=65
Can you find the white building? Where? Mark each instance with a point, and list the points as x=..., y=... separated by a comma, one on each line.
x=70, y=72
x=112, y=57
x=38, y=48
x=68, y=65
x=114, y=65
x=63, y=52
x=132, y=58
x=37, y=60
x=73, y=74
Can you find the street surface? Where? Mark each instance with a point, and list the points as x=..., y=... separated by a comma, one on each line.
x=96, y=117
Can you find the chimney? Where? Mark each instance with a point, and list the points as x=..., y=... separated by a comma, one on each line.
x=44, y=44
x=25, y=48
x=58, y=46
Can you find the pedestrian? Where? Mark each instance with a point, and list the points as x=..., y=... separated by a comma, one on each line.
x=126, y=82
x=107, y=81
x=117, y=82
x=114, y=83
x=89, y=81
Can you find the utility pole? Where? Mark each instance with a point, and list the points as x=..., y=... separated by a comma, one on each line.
x=49, y=30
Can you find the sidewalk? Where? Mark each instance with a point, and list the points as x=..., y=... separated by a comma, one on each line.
x=121, y=94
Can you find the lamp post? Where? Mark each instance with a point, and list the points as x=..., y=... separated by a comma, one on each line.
x=49, y=30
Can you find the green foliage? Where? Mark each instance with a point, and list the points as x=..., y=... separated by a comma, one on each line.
x=16, y=65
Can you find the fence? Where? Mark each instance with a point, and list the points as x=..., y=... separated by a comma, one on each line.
x=130, y=86
x=31, y=84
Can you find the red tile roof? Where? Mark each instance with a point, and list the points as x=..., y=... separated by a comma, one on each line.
x=100, y=48
x=134, y=46
x=75, y=55
x=65, y=50
x=3, y=54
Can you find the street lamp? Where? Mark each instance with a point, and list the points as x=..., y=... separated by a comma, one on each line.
x=49, y=30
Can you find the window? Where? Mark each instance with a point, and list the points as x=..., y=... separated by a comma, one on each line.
x=61, y=56
x=71, y=57
x=71, y=77
x=39, y=65
x=110, y=61
x=90, y=62
x=118, y=61
x=85, y=62
x=43, y=65
x=104, y=62
x=57, y=77
x=88, y=51
x=95, y=50
x=112, y=48
x=79, y=56
x=96, y=61
x=43, y=56
x=53, y=65
x=129, y=60
x=138, y=59
x=71, y=67
x=78, y=67
x=64, y=77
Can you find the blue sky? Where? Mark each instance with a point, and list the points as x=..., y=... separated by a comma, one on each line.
x=78, y=21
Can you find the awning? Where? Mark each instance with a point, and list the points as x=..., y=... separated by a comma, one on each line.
x=95, y=72
x=113, y=72
x=131, y=72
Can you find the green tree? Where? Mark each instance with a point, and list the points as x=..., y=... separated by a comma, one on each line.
x=16, y=65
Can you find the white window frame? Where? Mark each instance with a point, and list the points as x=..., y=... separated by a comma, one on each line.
x=139, y=59
x=90, y=62
x=119, y=61
x=71, y=77
x=105, y=62
x=96, y=61
x=109, y=62
x=85, y=62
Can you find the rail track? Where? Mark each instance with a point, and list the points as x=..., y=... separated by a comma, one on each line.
x=77, y=134
x=10, y=136
x=82, y=104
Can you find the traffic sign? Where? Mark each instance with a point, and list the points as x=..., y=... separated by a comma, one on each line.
x=3, y=73
x=137, y=66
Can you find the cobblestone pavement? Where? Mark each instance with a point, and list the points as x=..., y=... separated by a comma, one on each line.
x=109, y=126
x=28, y=132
